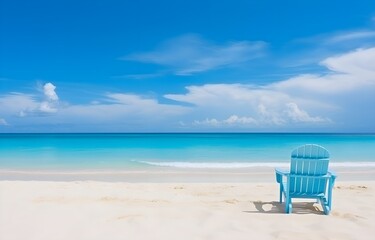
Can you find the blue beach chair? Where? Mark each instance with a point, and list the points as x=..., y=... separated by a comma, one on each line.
x=308, y=177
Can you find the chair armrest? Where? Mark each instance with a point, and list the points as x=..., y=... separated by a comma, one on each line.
x=333, y=177
x=332, y=174
x=280, y=173
x=310, y=176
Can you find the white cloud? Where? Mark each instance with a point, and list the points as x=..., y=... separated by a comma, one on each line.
x=290, y=101
x=210, y=122
x=298, y=115
x=139, y=76
x=350, y=36
x=49, y=92
x=120, y=108
x=131, y=99
x=50, y=104
x=266, y=106
x=233, y=120
x=349, y=71
x=3, y=122
x=47, y=108
x=190, y=54
x=360, y=62
x=115, y=112
x=304, y=100
x=269, y=115
x=306, y=52
x=356, y=38
x=22, y=105
x=342, y=97
x=15, y=103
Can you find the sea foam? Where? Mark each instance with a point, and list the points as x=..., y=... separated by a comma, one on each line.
x=229, y=165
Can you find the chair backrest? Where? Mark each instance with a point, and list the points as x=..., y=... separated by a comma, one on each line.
x=308, y=160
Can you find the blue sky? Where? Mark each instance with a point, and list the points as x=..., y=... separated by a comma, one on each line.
x=187, y=66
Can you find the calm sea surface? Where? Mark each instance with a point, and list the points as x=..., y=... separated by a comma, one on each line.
x=140, y=151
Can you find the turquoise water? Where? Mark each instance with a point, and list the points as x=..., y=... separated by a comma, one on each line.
x=213, y=150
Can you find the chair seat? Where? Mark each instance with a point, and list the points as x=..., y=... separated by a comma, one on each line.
x=305, y=195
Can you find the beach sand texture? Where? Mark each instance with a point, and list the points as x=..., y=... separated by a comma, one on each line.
x=38, y=210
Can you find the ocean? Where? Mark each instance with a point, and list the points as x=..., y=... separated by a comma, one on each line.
x=177, y=150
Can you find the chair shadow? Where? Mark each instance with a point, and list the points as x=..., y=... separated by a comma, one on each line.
x=275, y=207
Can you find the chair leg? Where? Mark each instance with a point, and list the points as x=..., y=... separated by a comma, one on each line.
x=288, y=205
x=330, y=187
x=281, y=193
x=325, y=206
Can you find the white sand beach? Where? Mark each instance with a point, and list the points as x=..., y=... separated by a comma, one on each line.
x=44, y=210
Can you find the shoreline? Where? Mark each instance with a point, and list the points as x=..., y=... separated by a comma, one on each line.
x=164, y=174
